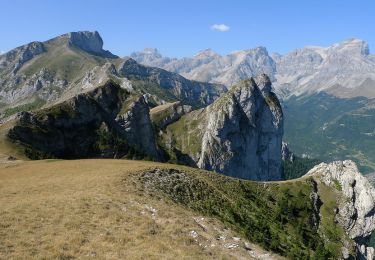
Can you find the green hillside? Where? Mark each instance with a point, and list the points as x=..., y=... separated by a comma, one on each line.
x=329, y=128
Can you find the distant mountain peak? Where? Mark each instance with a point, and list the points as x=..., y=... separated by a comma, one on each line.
x=206, y=53
x=353, y=45
x=151, y=51
x=148, y=55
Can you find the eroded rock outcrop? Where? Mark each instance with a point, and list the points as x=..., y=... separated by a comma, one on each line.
x=106, y=122
x=239, y=135
x=89, y=41
x=355, y=201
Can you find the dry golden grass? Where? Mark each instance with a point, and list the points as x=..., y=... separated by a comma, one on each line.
x=58, y=209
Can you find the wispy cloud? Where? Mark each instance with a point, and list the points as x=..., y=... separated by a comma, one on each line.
x=220, y=27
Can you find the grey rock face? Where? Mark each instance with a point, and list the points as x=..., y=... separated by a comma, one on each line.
x=286, y=153
x=345, y=69
x=208, y=66
x=88, y=41
x=356, y=211
x=340, y=69
x=239, y=135
x=105, y=122
x=244, y=133
x=138, y=128
x=182, y=89
x=34, y=71
x=15, y=59
x=63, y=67
x=150, y=57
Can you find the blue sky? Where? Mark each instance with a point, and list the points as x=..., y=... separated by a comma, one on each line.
x=181, y=28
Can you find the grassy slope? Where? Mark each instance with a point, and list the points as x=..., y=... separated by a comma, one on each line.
x=66, y=62
x=63, y=209
x=91, y=208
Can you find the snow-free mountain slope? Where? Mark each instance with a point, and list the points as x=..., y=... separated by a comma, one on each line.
x=345, y=69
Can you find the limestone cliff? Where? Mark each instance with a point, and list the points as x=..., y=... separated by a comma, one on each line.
x=239, y=135
x=355, y=198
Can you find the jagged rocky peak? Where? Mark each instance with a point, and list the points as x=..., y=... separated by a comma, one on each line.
x=352, y=46
x=246, y=128
x=239, y=135
x=152, y=52
x=88, y=41
x=264, y=83
x=207, y=53
x=148, y=54
x=356, y=203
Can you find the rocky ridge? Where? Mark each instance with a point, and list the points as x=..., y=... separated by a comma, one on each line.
x=345, y=69
x=239, y=134
x=45, y=73
x=209, y=66
x=356, y=203
x=106, y=122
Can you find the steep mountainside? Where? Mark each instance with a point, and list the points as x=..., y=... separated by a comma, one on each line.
x=345, y=69
x=42, y=73
x=208, y=66
x=107, y=122
x=239, y=135
x=169, y=86
x=327, y=94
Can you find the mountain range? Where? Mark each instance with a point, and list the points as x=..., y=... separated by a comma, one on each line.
x=345, y=69
x=326, y=93
x=41, y=73
x=67, y=98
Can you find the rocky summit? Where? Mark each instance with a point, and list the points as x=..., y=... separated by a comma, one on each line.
x=44, y=73
x=239, y=135
x=344, y=69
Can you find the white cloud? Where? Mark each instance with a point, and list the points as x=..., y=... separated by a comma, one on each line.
x=220, y=27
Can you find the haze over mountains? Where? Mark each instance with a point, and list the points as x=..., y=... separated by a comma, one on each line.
x=345, y=69
x=327, y=92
